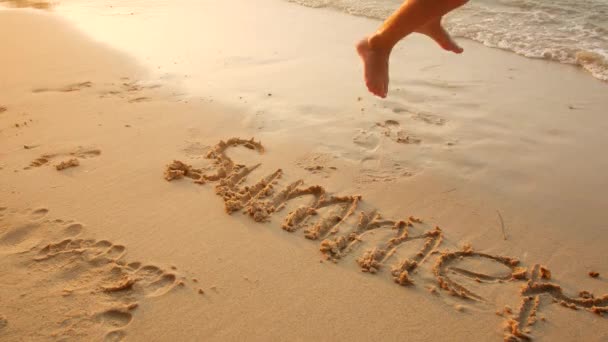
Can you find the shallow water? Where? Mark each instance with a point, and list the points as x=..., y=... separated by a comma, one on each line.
x=566, y=31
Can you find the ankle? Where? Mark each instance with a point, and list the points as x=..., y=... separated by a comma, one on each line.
x=378, y=43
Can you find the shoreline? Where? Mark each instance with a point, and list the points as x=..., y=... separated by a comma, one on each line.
x=587, y=58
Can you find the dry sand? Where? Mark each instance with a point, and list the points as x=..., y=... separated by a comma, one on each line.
x=468, y=206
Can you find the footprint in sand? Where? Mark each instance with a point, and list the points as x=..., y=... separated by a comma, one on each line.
x=22, y=236
x=39, y=213
x=430, y=119
x=370, y=139
x=317, y=163
x=381, y=170
x=65, y=89
x=37, y=4
x=17, y=238
x=114, y=318
x=69, y=159
x=73, y=229
x=392, y=129
x=399, y=110
x=366, y=139
x=129, y=90
x=58, y=263
x=139, y=99
x=135, y=86
x=196, y=149
x=115, y=336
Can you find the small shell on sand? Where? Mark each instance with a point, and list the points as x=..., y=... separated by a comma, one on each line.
x=593, y=274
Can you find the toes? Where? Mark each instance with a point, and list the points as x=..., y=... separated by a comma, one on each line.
x=451, y=45
x=371, y=87
x=376, y=89
x=454, y=48
x=379, y=90
x=372, y=90
x=448, y=43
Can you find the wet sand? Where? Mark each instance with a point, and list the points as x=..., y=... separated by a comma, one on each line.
x=135, y=204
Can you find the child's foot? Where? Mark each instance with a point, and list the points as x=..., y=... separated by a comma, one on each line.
x=375, y=65
x=434, y=30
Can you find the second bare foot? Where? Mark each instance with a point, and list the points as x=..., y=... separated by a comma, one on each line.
x=434, y=30
x=375, y=65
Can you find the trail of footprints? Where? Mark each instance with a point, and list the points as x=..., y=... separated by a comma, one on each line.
x=372, y=241
x=89, y=286
x=127, y=89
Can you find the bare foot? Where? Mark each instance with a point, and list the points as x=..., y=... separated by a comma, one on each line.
x=434, y=30
x=375, y=65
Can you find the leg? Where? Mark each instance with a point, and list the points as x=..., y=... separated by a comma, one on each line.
x=423, y=16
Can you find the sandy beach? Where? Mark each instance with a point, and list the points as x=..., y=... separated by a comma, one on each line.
x=203, y=170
